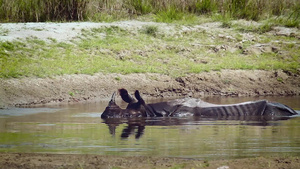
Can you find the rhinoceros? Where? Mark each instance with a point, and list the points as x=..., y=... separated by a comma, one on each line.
x=191, y=107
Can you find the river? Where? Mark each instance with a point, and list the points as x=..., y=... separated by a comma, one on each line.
x=78, y=129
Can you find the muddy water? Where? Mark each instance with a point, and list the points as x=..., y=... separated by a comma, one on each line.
x=78, y=129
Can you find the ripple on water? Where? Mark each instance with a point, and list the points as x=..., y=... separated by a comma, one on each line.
x=93, y=114
x=25, y=111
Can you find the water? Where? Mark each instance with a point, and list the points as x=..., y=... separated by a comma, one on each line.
x=78, y=129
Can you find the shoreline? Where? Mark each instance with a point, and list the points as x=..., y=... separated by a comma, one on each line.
x=83, y=88
x=39, y=160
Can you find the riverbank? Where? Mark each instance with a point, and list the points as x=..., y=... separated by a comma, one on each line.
x=33, y=161
x=85, y=61
x=173, y=49
x=83, y=88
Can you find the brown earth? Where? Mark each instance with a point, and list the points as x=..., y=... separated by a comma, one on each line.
x=45, y=161
x=79, y=88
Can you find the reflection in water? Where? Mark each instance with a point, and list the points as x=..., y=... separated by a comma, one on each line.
x=131, y=128
x=79, y=129
x=137, y=126
x=134, y=126
x=209, y=137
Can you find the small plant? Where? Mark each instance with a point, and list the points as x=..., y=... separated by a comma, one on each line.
x=52, y=40
x=38, y=29
x=139, y=6
x=243, y=9
x=114, y=29
x=291, y=45
x=227, y=81
x=114, y=167
x=169, y=15
x=179, y=166
x=226, y=24
x=205, y=6
x=206, y=163
x=3, y=32
x=71, y=94
x=225, y=19
x=150, y=30
x=265, y=28
x=117, y=78
x=7, y=46
x=291, y=21
x=219, y=74
x=279, y=79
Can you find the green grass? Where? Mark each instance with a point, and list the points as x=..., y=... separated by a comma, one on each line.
x=4, y=32
x=163, y=10
x=150, y=30
x=124, y=51
x=169, y=15
x=41, y=11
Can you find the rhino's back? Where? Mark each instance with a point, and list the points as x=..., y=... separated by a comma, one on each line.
x=278, y=109
x=255, y=108
x=197, y=107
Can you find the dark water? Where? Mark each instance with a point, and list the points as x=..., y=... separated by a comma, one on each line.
x=79, y=129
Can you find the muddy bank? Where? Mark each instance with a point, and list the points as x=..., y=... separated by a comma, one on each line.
x=79, y=88
x=23, y=160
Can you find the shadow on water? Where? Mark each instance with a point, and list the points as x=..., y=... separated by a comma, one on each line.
x=136, y=126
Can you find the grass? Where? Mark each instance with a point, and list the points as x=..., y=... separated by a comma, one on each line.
x=41, y=11
x=4, y=32
x=151, y=30
x=149, y=49
x=163, y=10
x=169, y=15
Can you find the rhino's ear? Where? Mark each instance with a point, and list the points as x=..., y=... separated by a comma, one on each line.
x=112, y=100
x=125, y=96
x=138, y=97
x=141, y=101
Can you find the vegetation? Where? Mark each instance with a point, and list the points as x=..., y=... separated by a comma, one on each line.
x=286, y=11
x=150, y=49
x=113, y=49
x=41, y=11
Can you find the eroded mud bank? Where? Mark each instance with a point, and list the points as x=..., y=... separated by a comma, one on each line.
x=78, y=88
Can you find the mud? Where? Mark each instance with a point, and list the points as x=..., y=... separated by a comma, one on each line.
x=45, y=161
x=82, y=88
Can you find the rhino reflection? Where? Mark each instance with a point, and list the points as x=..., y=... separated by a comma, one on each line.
x=137, y=126
x=130, y=130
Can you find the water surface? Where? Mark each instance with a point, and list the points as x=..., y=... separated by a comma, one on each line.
x=79, y=129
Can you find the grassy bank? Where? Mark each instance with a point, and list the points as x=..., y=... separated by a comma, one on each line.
x=151, y=48
x=171, y=49
x=163, y=10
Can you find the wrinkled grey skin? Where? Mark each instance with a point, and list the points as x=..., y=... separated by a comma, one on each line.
x=191, y=107
x=134, y=108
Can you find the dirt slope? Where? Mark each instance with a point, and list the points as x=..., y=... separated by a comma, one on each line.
x=45, y=161
x=76, y=88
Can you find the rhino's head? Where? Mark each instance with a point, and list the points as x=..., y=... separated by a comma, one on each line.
x=134, y=108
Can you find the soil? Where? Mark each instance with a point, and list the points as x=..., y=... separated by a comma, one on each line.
x=33, y=161
x=64, y=32
x=81, y=88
